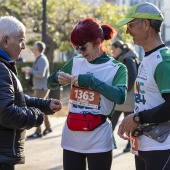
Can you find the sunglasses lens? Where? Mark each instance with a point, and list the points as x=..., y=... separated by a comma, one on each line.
x=83, y=48
x=76, y=48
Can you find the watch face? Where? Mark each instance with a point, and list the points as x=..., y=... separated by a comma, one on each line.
x=137, y=119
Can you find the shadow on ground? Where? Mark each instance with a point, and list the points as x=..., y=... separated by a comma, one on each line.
x=60, y=167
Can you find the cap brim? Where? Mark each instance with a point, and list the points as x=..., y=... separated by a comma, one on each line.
x=123, y=21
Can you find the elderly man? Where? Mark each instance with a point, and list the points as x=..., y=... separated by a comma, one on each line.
x=18, y=112
x=149, y=128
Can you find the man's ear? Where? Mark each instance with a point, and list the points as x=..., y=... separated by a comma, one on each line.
x=5, y=41
x=147, y=24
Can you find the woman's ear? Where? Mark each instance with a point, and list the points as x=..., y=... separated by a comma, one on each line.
x=98, y=42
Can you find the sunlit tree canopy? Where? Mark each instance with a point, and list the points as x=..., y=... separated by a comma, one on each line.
x=62, y=15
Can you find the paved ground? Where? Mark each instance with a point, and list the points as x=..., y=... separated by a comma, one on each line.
x=46, y=153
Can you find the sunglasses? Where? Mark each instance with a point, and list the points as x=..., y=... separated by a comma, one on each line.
x=81, y=48
x=130, y=24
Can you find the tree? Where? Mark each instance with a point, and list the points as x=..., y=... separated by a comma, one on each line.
x=62, y=15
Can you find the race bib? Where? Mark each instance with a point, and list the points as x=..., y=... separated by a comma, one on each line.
x=84, y=97
x=134, y=144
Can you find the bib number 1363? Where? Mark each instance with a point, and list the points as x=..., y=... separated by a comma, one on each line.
x=84, y=97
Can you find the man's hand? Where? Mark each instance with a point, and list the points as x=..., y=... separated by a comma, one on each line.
x=55, y=105
x=64, y=78
x=124, y=135
x=128, y=125
x=25, y=69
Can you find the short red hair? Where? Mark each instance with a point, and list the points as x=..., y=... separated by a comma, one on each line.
x=88, y=30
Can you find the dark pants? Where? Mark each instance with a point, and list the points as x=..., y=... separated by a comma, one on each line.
x=42, y=94
x=116, y=116
x=153, y=160
x=6, y=167
x=96, y=161
x=115, y=119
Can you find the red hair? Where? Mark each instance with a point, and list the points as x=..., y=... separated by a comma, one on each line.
x=88, y=30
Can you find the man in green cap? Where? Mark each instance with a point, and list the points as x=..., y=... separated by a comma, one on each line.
x=148, y=127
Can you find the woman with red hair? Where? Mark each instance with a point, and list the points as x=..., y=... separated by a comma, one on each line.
x=98, y=84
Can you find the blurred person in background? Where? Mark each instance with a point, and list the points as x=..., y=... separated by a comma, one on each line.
x=18, y=112
x=98, y=83
x=40, y=72
x=122, y=53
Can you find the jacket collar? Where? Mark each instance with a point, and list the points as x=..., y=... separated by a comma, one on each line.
x=4, y=55
x=10, y=64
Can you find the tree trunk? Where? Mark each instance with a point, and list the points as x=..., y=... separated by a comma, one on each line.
x=51, y=46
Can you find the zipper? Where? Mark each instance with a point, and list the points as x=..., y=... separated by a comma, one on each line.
x=13, y=147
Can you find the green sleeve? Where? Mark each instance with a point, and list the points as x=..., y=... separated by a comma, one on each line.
x=52, y=81
x=115, y=92
x=121, y=77
x=162, y=76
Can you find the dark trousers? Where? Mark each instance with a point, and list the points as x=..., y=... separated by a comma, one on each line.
x=153, y=160
x=96, y=161
x=6, y=167
x=42, y=94
x=116, y=116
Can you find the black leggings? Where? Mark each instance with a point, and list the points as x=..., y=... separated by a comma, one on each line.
x=96, y=161
x=6, y=167
x=153, y=160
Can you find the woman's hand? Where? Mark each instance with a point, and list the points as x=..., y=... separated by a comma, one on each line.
x=74, y=81
x=64, y=78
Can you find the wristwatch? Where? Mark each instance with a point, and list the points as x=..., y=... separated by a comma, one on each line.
x=136, y=118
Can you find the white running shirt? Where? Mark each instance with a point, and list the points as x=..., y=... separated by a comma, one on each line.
x=100, y=139
x=150, y=83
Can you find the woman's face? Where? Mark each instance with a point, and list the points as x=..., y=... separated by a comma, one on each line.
x=116, y=51
x=89, y=51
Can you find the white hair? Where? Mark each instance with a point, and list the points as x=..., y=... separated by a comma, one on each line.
x=10, y=26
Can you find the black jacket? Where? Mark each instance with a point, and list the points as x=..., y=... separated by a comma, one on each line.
x=18, y=112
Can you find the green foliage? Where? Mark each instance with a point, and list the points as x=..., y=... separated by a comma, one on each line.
x=29, y=12
x=62, y=15
x=21, y=75
x=31, y=42
x=109, y=14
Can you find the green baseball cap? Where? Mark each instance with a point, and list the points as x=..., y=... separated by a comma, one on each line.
x=143, y=10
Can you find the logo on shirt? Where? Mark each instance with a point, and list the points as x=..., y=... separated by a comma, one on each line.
x=142, y=72
x=139, y=94
x=91, y=74
x=136, y=110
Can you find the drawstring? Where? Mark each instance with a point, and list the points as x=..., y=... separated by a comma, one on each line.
x=166, y=163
